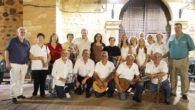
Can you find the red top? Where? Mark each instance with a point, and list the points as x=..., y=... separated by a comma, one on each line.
x=55, y=52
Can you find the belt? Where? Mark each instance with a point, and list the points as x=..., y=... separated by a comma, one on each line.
x=178, y=58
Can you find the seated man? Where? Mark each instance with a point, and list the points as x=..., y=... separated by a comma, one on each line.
x=103, y=76
x=157, y=71
x=61, y=71
x=84, y=68
x=129, y=71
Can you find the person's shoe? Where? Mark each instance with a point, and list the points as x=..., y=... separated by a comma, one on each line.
x=34, y=97
x=21, y=97
x=67, y=95
x=14, y=100
x=168, y=102
x=137, y=99
x=173, y=95
x=88, y=95
x=43, y=96
x=184, y=97
x=110, y=95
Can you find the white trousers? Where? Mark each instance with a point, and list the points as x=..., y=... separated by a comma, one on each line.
x=17, y=76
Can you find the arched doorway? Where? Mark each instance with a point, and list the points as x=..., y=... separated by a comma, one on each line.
x=148, y=16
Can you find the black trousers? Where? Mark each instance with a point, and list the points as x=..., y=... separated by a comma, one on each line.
x=89, y=83
x=1, y=77
x=39, y=77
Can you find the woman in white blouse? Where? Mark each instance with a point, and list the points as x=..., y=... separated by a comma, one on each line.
x=125, y=48
x=40, y=57
x=133, y=43
x=160, y=45
x=141, y=55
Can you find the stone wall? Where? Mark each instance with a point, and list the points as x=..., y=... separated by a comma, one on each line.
x=11, y=17
x=39, y=16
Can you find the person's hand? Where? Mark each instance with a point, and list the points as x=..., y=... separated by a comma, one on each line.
x=150, y=76
x=105, y=84
x=77, y=84
x=62, y=79
x=8, y=66
x=119, y=89
x=84, y=80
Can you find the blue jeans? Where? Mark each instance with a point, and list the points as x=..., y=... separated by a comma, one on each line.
x=60, y=90
x=110, y=91
x=165, y=87
x=138, y=89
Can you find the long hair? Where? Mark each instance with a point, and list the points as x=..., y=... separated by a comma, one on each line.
x=50, y=39
x=121, y=43
x=94, y=41
x=145, y=49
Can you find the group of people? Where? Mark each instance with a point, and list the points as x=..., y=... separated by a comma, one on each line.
x=80, y=65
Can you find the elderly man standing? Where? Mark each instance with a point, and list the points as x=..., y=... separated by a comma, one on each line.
x=82, y=42
x=179, y=46
x=17, y=56
x=157, y=71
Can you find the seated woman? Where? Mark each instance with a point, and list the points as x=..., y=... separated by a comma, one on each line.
x=62, y=70
x=103, y=76
x=128, y=74
x=157, y=71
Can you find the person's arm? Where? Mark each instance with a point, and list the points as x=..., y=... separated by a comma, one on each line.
x=116, y=79
x=8, y=65
x=96, y=77
x=190, y=43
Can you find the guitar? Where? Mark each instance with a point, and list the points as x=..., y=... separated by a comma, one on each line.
x=99, y=87
x=125, y=83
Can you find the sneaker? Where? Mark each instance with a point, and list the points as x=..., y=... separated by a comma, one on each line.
x=184, y=97
x=67, y=95
x=14, y=100
x=21, y=97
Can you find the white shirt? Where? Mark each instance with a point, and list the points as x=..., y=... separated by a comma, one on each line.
x=162, y=47
x=128, y=73
x=149, y=48
x=38, y=51
x=134, y=49
x=141, y=57
x=103, y=71
x=152, y=69
x=82, y=44
x=84, y=69
x=61, y=69
x=124, y=52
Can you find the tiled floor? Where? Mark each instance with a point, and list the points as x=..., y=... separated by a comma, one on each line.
x=81, y=103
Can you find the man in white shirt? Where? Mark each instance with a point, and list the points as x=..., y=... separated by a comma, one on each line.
x=157, y=71
x=84, y=69
x=61, y=69
x=129, y=71
x=104, y=75
x=82, y=42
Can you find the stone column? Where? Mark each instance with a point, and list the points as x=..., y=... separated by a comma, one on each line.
x=112, y=30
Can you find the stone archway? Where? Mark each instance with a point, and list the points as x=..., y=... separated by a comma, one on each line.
x=148, y=16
